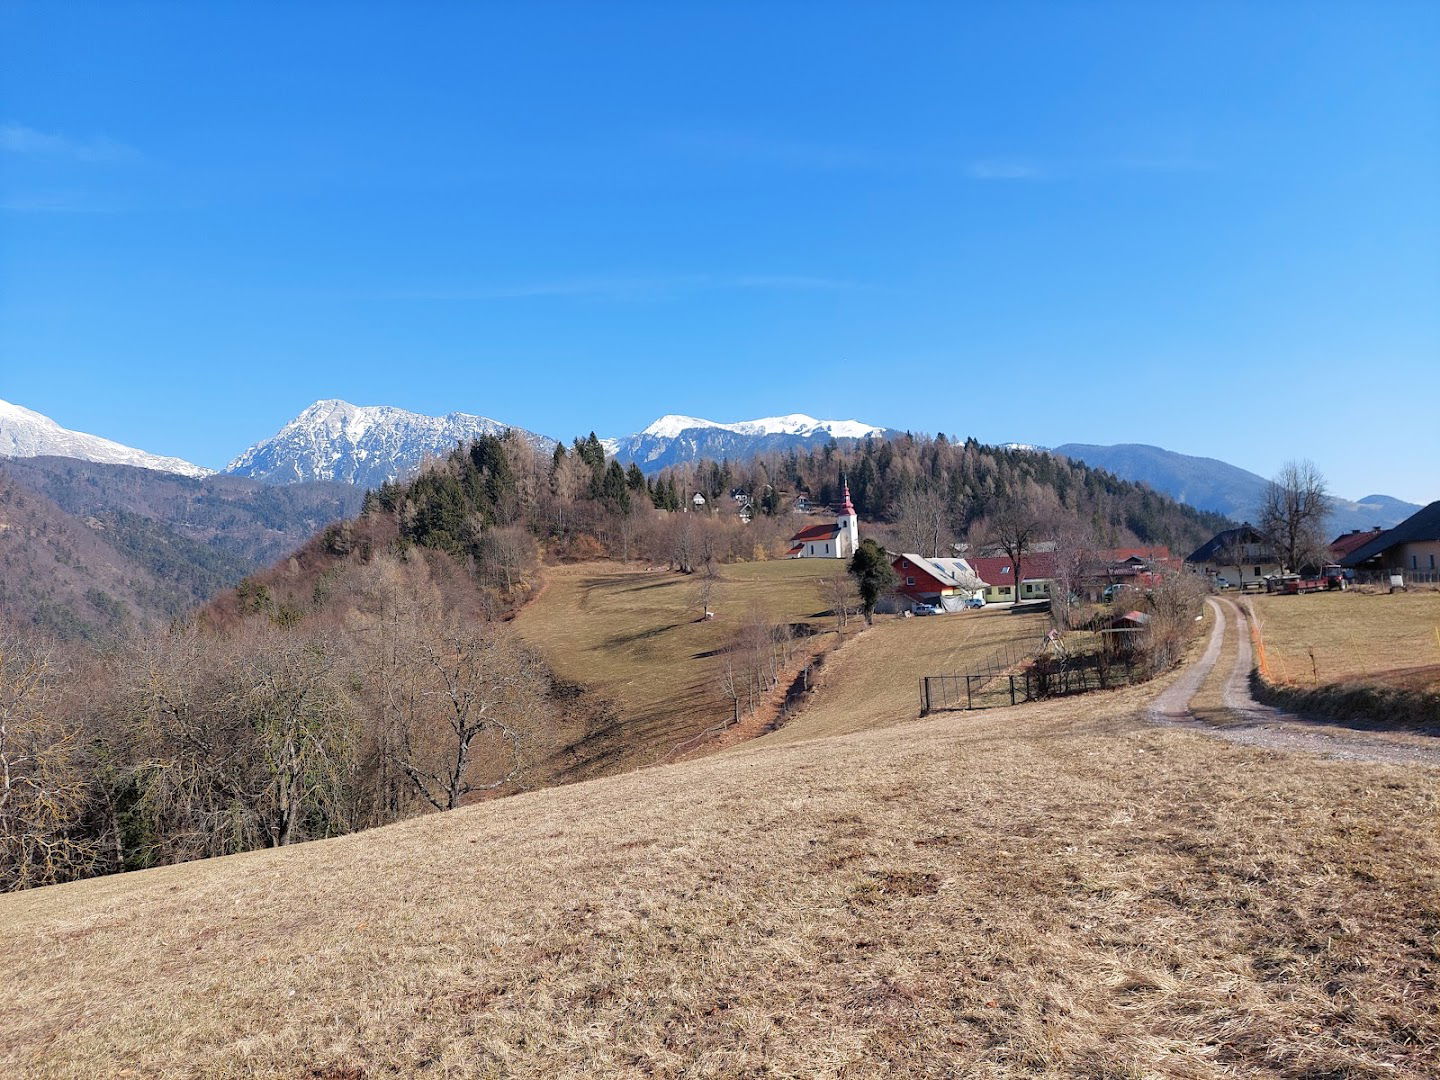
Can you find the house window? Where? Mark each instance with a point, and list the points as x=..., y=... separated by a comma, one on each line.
x=1414, y=562
x=1432, y=562
x=1004, y=590
x=909, y=581
x=1257, y=571
x=827, y=549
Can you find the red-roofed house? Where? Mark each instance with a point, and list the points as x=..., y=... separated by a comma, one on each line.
x=944, y=581
x=1352, y=541
x=998, y=574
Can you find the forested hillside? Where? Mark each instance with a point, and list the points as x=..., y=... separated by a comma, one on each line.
x=960, y=484
x=140, y=546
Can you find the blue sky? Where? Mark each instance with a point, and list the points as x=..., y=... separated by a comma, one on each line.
x=1211, y=227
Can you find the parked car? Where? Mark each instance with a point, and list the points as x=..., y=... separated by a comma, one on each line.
x=973, y=602
x=1222, y=583
x=927, y=609
x=1112, y=591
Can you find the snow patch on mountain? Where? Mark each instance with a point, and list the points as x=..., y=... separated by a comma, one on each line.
x=26, y=433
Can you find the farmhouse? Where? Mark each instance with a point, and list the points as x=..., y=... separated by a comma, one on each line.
x=1413, y=545
x=998, y=574
x=829, y=541
x=944, y=581
x=1347, y=543
x=1241, y=555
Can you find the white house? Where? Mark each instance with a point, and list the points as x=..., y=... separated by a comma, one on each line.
x=837, y=541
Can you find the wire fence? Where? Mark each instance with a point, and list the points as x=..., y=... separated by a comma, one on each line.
x=1043, y=679
x=1407, y=577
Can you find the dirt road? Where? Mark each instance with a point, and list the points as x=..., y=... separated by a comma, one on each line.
x=1260, y=725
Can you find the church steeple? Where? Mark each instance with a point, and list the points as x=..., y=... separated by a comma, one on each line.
x=849, y=524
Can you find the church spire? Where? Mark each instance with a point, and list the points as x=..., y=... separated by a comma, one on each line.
x=848, y=509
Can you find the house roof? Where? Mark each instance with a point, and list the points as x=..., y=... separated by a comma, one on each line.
x=1241, y=534
x=1148, y=554
x=997, y=569
x=953, y=573
x=795, y=550
x=1345, y=543
x=828, y=531
x=1422, y=525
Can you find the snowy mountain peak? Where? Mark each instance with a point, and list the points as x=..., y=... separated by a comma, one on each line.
x=360, y=444
x=26, y=433
x=674, y=438
x=672, y=425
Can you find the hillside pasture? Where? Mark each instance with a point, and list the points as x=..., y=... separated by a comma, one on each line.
x=1057, y=889
x=874, y=680
x=638, y=637
x=1337, y=638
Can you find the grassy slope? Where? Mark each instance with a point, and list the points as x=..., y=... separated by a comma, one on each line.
x=874, y=680
x=1054, y=889
x=1356, y=637
x=636, y=637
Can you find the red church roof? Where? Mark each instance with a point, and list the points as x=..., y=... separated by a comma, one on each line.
x=816, y=532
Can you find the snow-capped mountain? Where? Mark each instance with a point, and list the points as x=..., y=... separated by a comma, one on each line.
x=673, y=439
x=26, y=433
x=361, y=444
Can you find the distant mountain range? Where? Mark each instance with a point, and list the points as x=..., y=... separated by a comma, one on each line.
x=336, y=441
x=1210, y=484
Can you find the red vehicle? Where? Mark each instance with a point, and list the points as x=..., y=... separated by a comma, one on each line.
x=1331, y=576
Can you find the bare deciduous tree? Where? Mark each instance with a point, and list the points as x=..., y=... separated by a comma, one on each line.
x=1016, y=529
x=1074, y=552
x=843, y=598
x=481, y=681
x=755, y=661
x=922, y=517
x=1294, y=514
x=43, y=792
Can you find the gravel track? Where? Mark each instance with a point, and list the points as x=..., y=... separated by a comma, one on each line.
x=1267, y=727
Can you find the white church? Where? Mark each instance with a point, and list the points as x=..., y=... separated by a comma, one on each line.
x=837, y=541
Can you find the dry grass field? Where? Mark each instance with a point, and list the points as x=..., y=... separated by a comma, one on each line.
x=874, y=680
x=1378, y=638
x=1052, y=890
x=636, y=637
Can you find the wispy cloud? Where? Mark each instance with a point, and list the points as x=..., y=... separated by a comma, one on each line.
x=19, y=139
x=623, y=288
